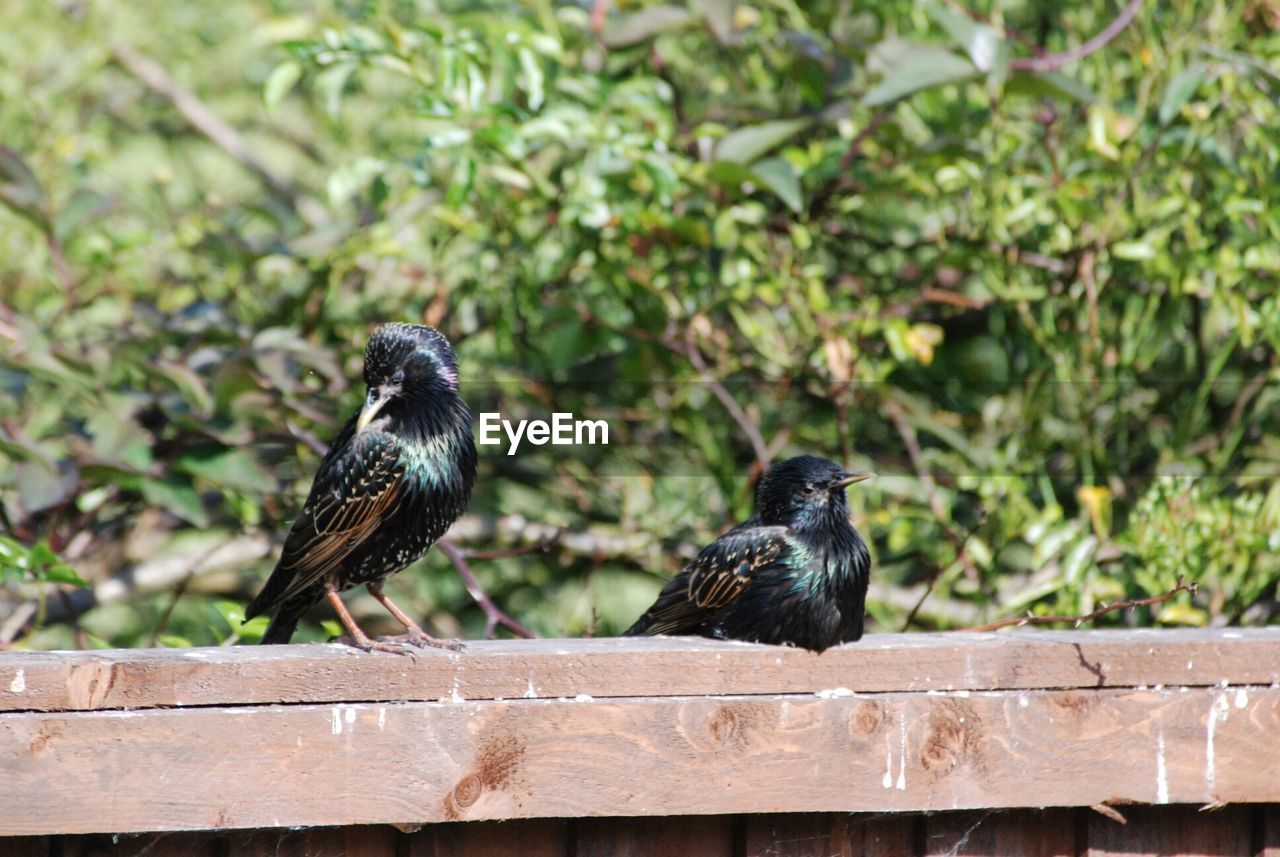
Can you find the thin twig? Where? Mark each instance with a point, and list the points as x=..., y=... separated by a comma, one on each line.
x=749, y=428
x=1030, y=619
x=493, y=614
x=855, y=145
x=518, y=550
x=202, y=119
x=1052, y=62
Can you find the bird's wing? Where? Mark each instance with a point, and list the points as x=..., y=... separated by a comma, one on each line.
x=715, y=578
x=359, y=485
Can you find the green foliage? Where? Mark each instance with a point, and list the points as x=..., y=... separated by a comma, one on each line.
x=1027, y=298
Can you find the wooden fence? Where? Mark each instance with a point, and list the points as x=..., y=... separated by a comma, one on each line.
x=900, y=744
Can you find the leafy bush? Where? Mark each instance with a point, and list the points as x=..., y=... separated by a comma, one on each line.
x=1040, y=302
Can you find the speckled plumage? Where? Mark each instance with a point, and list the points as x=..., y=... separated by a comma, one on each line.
x=395, y=478
x=794, y=573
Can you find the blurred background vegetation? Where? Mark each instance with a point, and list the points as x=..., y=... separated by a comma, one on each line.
x=1020, y=258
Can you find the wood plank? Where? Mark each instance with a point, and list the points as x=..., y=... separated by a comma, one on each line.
x=830, y=835
x=1152, y=830
x=539, y=837
x=1266, y=830
x=409, y=763
x=1017, y=833
x=550, y=669
x=674, y=836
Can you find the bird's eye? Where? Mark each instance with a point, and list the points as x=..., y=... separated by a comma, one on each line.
x=398, y=377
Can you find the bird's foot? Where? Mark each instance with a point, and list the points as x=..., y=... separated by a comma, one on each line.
x=382, y=644
x=422, y=640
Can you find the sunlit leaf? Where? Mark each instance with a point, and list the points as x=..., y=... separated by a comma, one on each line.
x=745, y=145
x=920, y=67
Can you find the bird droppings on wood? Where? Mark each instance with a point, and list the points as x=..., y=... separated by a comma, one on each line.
x=19, y=683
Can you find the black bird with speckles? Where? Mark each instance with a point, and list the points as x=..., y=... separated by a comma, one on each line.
x=395, y=478
x=794, y=573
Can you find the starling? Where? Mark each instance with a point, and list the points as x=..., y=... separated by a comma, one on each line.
x=395, y=478
x=794, y=573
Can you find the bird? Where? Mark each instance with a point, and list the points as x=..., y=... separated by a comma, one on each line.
x=397, y=475
x=794, y=573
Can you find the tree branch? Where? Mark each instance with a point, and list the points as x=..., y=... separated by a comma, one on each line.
x=1030, y=619
x=212, y=126
x=493, y=614
x=1052, y=62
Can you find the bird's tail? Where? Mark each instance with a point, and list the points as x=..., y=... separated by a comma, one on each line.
x=282, y=625
x=286, y=617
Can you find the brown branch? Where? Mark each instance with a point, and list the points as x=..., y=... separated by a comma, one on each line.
x=203, y=120
x=855, y=145
x=518, y=550
x=749, y=428
x=1052, y=62
x=1077, y=621
x=493, y=614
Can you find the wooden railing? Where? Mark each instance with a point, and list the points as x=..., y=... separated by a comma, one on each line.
x=298, y=736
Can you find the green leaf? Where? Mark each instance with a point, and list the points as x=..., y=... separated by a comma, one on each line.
x=229, y=468
x=1049, y=84
x=350, y=178
x=780, y=177
x=281, y=82
x=1179, y=91
x=916, y=68
x=61, y=573
x=1133, y=251
x=980, y=41
x=744, y=145
x=645, y=24
x=719, y=16
x=178, y=498
x=21, y=190
x=330, y=84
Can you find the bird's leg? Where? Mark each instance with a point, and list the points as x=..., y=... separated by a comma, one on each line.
x=414, y=635
x=359, y=638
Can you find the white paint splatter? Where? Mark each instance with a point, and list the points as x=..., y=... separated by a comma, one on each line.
x=1242, y=698
x=902, y=751
x=887, y=779
x=337, y=721
x=382, y=718
x=1219, y=708
x=1162, y=774
x=19, y=683
x=833, y=693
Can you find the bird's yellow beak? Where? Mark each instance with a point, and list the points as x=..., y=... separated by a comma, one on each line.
x=847, y=479
x=372, y=404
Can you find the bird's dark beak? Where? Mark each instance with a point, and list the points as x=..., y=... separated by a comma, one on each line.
x=844, y=479
x=372, y=404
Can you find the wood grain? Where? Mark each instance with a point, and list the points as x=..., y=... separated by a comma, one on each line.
x=830, y=835
x=421, y=762
x=1028, y=833
x=539, y=837
x=550, y=669
x=1224, y=832
x=674, y=836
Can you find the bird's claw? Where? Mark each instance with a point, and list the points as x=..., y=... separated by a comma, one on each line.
x=422, y=640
